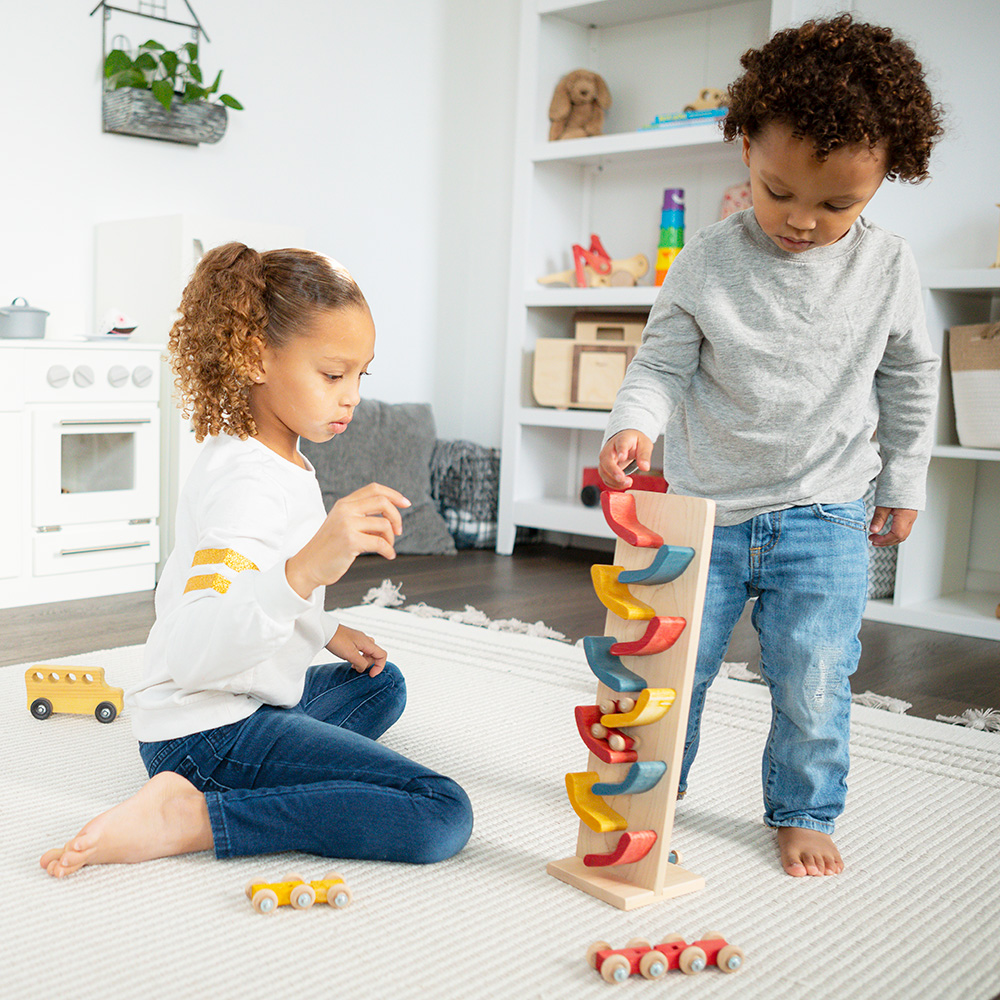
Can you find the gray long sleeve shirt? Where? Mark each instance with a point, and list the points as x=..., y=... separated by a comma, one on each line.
x=770, y=372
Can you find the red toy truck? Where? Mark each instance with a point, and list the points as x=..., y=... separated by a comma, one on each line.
x=642, y=958
x=590, y=494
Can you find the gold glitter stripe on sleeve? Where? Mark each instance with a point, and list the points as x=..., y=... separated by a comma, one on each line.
x=228, y=557
x=214, y=581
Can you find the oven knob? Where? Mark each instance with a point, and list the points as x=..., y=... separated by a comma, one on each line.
x=118, y=376
x=142, y=376
x=83, y=376
x=57, y=376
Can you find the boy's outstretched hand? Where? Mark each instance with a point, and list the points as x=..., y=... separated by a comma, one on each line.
x=625, y=447
x=359, y=650
x=367, y=520
x=899, y=529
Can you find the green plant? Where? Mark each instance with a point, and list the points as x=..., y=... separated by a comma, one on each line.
x=166, y=72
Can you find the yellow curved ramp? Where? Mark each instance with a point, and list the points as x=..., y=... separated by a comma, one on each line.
x=650, y=706
x=616, y=597
x=594, y=811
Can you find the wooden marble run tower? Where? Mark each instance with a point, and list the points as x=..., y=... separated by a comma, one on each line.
x=635, y=731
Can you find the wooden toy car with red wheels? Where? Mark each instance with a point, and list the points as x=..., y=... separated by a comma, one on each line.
x=652, y=962
x=293, y=890
x=592, y=485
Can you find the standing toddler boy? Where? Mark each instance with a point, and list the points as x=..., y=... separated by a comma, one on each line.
x=787, y=359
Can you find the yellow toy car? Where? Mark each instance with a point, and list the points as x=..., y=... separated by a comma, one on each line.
x=75, y=690
x=293, y=890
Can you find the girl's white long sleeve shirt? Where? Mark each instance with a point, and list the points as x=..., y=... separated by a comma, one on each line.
x=230, y=633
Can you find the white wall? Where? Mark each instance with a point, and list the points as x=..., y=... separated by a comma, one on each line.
x=341, y=137
x=385, y=132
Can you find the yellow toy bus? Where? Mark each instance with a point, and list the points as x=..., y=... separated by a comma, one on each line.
x=75, y=690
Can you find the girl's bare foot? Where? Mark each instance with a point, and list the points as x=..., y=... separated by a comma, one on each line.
x=167, y=816
x=808, y=852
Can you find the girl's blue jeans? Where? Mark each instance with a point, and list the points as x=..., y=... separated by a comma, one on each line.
x=313, y=778
x=808, y=569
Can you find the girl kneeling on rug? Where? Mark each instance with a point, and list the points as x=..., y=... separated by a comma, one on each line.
x=251, y=750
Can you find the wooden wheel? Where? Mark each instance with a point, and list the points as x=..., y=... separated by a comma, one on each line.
x=332, y=876
x=672, y=938
x=693, y=960
x=302, y=896
x=339, y=896
x=616, y=969
x=730, y=959
x=265, y=901
x=653, y=965
x=712, y=936
x=638, y=943
x=593, y=950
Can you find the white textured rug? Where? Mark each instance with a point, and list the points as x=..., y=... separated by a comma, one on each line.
x=915, y=916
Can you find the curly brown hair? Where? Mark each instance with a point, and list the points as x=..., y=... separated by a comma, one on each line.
x=838, y=83
x=236, y=298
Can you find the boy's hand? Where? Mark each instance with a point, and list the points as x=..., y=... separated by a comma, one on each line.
x=899, y=530
x=366, y=520
x=623, y=448
x=357, y=649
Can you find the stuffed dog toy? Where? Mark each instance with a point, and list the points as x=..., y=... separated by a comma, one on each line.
x=578, y=105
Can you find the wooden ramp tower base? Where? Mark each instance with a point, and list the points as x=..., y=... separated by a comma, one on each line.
x=618, y=892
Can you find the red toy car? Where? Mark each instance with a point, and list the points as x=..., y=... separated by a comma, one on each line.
x=639, y=956
x=590, y=494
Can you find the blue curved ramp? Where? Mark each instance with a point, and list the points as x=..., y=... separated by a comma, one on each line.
x=607, y=668
x=641, y=777
x=668, y=564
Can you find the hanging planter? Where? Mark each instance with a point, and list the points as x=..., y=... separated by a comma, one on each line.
x=137, y=112
x=161, y=93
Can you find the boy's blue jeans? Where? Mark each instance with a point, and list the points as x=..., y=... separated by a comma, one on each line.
x=312, y=778
x=808, y=569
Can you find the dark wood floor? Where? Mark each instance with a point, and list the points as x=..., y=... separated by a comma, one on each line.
x=936, y=671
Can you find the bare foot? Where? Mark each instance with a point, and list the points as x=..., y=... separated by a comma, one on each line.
x=167, y=816
x=808, y=852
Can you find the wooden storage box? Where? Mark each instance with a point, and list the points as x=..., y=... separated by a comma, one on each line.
x=586, y=372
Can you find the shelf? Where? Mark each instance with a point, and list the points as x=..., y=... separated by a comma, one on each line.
x=593, y=150
x=973, y=454
x=583, y=420
x=637, y=296
x=961, y=279
x=604, y=13
x=969, y=612
x=569, y=516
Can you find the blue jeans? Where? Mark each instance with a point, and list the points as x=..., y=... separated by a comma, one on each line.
x=808, y=569
x=312, y=778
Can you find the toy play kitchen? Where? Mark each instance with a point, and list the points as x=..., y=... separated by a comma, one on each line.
x=21, y=321
x=79, y=450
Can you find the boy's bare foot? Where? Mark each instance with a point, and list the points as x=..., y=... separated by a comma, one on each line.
x=808, y=852
x=167, y=816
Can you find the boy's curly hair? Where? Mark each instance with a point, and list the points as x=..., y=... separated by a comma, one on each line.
x=236, y=295
x=838, y=83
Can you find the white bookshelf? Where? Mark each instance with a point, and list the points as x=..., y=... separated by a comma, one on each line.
x=656, y=55
x=948, y=570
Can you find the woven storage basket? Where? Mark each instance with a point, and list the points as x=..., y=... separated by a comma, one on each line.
x=974, y=353
x=881, y=560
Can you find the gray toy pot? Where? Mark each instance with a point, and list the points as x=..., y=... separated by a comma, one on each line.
x=22, y=322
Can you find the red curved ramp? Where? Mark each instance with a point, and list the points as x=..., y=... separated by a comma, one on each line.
x=619, y=512
x=586, y=716
x=630, y=847
x=661, y=633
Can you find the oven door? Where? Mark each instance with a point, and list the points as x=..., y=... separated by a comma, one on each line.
x=95, y=462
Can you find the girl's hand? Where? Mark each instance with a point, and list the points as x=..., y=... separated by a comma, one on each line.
x=902, y=523
x=357, y=649
x=366, y=520
x=622, y=449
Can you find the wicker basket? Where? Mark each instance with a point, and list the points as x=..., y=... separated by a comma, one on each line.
x=130, y=111
x=974, y=353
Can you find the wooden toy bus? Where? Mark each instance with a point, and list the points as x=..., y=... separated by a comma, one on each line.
x=74, y=690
